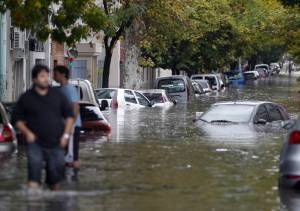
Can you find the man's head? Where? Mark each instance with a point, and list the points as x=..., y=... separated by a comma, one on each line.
x=61, y=74
x=40, y=76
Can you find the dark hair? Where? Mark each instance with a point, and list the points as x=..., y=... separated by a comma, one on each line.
x=63, y=70
x=37, y=69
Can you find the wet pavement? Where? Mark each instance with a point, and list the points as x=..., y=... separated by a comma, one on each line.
x=160, y=160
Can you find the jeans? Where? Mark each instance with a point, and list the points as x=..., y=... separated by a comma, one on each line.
x=52, y=159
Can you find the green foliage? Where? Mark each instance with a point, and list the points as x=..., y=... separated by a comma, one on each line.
x=64, y=20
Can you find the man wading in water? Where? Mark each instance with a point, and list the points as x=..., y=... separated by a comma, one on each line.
x=45, y=117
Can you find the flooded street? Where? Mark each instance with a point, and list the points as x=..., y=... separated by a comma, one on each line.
x=161, y=160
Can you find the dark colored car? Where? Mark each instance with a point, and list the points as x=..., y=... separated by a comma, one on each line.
x=247, y=112
x=7, y=132
x=94, y=124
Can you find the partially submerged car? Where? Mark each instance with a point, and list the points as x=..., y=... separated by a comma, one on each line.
x=213, y=79
x=104, y=97
x=251, y=75
x=290, y=155
x=7, y=132
x=159, y=97
x=197, y=89
x=204, y=85
x=94, y=124
x=247, y=112
x=179, y=87
x=129, y=99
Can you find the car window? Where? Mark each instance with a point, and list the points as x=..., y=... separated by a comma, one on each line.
x=90, y=113
x=232, y=113
x=129, y=97
x=249, y=75
x=197, y=78
x=155, y=97
x=172, y=85
x=105, y=93
x=142, y=100
x=262, y=113
x=212, y=80
x=203, y=84
x=275, y=114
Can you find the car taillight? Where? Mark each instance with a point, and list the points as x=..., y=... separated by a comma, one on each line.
x=292, y=177
x=114, y=104
x=294, y=137
x=7, y=134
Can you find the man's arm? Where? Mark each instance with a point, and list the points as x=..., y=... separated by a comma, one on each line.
x=76, y=109
x=29, y=135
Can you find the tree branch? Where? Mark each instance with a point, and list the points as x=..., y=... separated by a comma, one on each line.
x=105, y=7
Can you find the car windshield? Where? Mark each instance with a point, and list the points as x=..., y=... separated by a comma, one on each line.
x=90, y=113
x=203, y=84
x=172, y=85
x=155, y=97
x=105, y=93
x=212, y=80
x=228, y=113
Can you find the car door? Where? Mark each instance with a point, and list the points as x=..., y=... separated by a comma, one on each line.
x=261, y=114
x=130, y=100
x=142, y=100
x=274, y=113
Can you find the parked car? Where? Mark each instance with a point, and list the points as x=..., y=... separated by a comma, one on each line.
x=7, y=132
x=130, y=99
x=290, y=155
x=159, y=97
x=275, y=68
x=179, y=87
x=263, y=73
x=197, y=89
x=251, y=75
x=247, y=112
x=235, y=77
x=94, y=123
x=104, y=97
x=213, y=80
x=263, y=66
x=85, y=90
x=204, y=84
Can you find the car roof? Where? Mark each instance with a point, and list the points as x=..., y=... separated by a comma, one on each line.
x=173, y=77
x=210, y=74
x=153, y=91
x=253, y=71
x=246, y=102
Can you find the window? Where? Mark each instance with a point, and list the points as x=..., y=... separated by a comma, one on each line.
x=90, y=113
x=275, y=114
x=142, y=100
x=172, y=85
x=212, y=80
x=262, y=113
x=231, y=113
x=79, y=69
x=155, y=97
x=129, y=97
x=105, y=93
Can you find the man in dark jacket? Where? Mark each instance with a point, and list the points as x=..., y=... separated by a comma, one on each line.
x=44, y=116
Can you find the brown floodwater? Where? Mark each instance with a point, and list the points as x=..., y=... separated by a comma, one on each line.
x=160, y=160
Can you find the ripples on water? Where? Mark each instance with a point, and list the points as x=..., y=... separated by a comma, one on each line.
x=160, y=160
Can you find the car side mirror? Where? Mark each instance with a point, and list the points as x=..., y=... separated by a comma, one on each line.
x=261, y=122
x=289, y=124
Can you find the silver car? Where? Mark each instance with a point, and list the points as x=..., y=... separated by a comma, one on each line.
x=290, y=155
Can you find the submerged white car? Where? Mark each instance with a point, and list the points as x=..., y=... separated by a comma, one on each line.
x=130, y=99
x=159, y=97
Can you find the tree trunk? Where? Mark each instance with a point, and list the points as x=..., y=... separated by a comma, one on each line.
x=175, y=71
x=106, y=68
